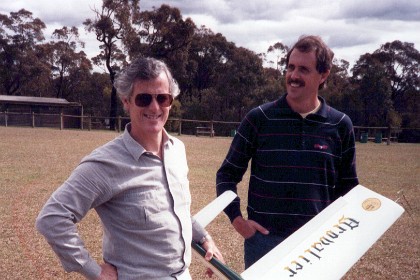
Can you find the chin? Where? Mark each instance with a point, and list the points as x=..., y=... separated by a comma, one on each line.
x=154, y=128
x=294, y=92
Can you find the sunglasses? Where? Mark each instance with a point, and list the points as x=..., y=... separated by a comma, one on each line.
x=144, y=99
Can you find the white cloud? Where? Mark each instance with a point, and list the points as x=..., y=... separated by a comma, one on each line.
x=405, y=10
x=351, y=28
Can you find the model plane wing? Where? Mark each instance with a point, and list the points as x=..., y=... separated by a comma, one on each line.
x=329, y=244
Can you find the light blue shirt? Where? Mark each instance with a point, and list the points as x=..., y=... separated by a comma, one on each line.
x=143, y=203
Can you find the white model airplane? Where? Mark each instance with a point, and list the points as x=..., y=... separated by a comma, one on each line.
x=324, y=248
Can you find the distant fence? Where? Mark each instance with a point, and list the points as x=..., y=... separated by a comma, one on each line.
x=187, y=126
x=386, y=134
x=63, y=121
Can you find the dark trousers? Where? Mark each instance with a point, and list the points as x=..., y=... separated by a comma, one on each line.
x=258, y=245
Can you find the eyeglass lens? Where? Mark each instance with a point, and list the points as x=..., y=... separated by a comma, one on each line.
x=144, y=99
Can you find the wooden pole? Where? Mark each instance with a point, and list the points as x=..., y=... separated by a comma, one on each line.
x=61, y=121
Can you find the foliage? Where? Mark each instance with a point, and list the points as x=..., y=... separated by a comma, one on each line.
x=218, y=80
x=280, y=51
x=68, y=67
x=19, y=63
x=402, y=66
x=112, y=24
x=388, y=83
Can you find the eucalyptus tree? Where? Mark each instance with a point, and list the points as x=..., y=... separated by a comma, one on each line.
x=338, y=85
x=163, y=33
x=372, y=91
x=392, y=74
x=19, y=61
x=68, y=65
x=402, y=67
x=112, y=24
x=279, y=50
x=239, y=85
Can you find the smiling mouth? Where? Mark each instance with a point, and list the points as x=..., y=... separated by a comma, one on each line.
x=296, y=83
x=152, y=117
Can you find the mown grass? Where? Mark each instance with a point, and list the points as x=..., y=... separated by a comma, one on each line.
x=34, y=162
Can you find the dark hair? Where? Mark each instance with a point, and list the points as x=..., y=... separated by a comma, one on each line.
x=324, y=55
x=143, y=69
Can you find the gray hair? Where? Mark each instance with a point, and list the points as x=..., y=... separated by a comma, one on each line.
x=143, y=69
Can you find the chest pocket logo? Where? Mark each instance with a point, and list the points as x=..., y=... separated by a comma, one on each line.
x=320, y=147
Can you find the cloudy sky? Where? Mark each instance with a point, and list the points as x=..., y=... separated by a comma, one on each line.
x=351, y=28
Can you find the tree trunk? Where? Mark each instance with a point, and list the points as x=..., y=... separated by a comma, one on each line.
x=114, y=109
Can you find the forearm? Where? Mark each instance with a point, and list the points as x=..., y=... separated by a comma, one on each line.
x=56, y=224
x=225, y=183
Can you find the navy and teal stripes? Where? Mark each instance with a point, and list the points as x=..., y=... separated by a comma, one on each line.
x=298, y=166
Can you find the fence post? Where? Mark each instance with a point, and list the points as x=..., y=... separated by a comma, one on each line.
x=388, y=140
x=81, y=118
x=179, y=127
x=61, y=121
x=89, y=122
x=33, y=119
x=212, y=129
x=6, y=117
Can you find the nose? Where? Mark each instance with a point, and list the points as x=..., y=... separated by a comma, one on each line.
x=154, y=104
x=294, y=74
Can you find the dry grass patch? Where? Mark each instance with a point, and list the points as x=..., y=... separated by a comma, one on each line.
x=34, y=162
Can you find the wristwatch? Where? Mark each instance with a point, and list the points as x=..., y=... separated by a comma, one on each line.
x=205, y=238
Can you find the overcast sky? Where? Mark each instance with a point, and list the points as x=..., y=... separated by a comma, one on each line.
x=350, y=27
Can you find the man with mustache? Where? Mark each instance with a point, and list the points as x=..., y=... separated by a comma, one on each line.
x=302, y=154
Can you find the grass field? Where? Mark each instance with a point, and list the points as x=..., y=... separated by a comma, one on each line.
x=34, y=162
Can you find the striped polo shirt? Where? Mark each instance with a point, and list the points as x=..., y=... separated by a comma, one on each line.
x=298, y=165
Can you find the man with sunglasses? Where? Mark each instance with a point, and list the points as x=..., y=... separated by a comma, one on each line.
x=139, y=187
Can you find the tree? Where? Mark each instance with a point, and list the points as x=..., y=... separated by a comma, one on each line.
x=373, y=90
x=239, y=87
x=65, y=62
x=393, y=72
x=402, y=67
x=161, y=33
x=95, y=94
x=279, y=51
x=337, y=85
x=164, y=34
x=19, y=64
x=207, y=56
x=271, y=89
x=111, y=25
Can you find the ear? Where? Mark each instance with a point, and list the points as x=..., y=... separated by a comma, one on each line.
x=324, y=76
x=126, y=103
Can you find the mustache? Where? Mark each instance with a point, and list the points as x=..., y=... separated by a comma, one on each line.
x=295, y=81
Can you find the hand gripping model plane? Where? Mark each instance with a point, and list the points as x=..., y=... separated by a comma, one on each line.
x=327, y=246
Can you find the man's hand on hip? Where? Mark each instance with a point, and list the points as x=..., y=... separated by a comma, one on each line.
x=108, y=272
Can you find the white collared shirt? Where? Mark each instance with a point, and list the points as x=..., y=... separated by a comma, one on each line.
x=144, y=206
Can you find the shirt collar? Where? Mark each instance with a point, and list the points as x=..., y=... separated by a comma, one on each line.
x=323, y=110
x=135, y=149
x=284, y=108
